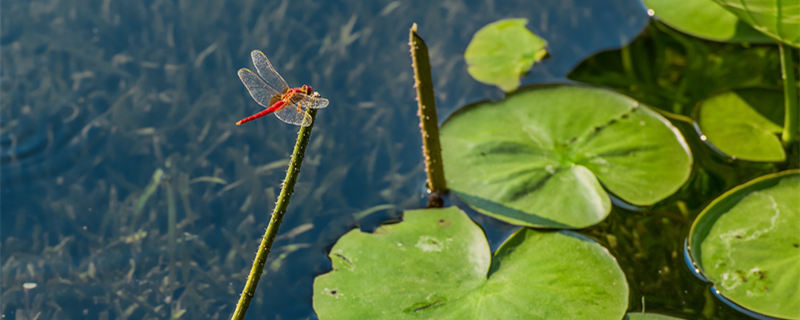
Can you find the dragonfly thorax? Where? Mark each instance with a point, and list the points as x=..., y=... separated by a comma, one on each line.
x=289, y=94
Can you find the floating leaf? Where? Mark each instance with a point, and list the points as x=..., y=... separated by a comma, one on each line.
x=744, y=123
x=436, y=264
x=538, y=158
x=779, y=19
x=501, y=52
x=746, y=243
x=705, y=19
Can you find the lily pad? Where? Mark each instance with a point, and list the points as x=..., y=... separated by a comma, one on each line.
x=744, y=124
x=746, y=243
x=502, y=51
x=779, y=19
x=705, y=19
x=436, y=264
x=539, y=157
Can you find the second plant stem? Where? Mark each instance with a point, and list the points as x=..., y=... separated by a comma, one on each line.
x=428, y=122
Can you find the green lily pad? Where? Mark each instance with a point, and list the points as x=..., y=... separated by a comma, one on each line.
x=436, y=264
x=648, y=316
x=744, y=123
x=779, y=19
x=502, y=51
x=747, y=243
x=538, y=158
x=705, y=19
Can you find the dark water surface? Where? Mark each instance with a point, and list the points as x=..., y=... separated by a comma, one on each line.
x=117, y=115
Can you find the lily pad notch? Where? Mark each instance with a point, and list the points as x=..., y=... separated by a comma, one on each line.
x=550, y=152
x=436, y=264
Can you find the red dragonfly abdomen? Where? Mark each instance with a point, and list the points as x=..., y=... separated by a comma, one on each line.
x=274, y=107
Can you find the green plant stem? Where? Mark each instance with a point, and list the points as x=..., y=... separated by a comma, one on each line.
x=791, y=115
x=275, y=222
x=428, y=121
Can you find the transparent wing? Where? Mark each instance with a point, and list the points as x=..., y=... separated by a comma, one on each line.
x=267, y=72
x=294, y=114
x=259, y=90
x=310, y=102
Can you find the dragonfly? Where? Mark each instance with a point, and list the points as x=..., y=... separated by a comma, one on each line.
x=271, y=91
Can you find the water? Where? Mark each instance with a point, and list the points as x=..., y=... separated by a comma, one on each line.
x=99, y=96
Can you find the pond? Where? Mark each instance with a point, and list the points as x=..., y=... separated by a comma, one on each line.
x=129, y=192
